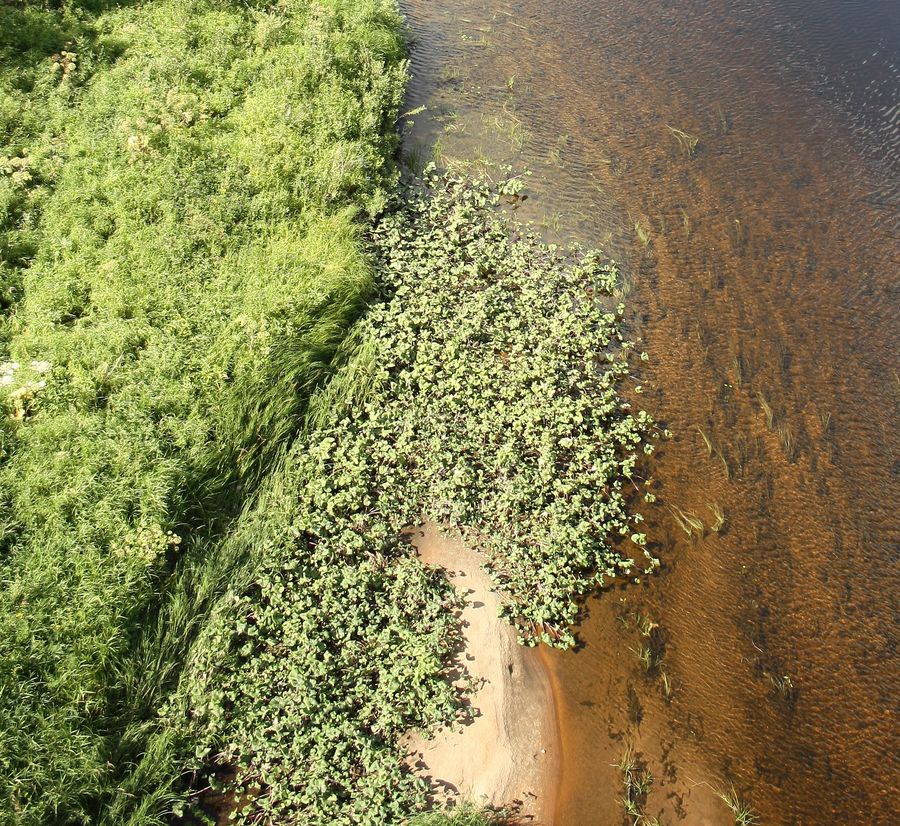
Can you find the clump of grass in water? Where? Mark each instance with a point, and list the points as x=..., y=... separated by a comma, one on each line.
x=706, y=441
x=737, y=371
x=644, y=624
x=637, y=781
x=781, y=685
x=554, y=155
x=767, y=410
x=642, y=234
x=688, y=522
x=743, y=813
x=668, y=688
x=646, y=657
x=623, y=288
x=724, y=119
x=718, y=517
x=687, y=142
x=650, y=653
x=788, y=444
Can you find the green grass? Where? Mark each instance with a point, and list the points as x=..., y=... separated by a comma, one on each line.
x=179, y=261
x=637, y=781
x=463, y=815
x=743, y=813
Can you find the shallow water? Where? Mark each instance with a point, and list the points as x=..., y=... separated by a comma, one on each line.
x=764, y=271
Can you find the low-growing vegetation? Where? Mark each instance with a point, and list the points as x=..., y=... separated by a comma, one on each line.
x=481, y=395
x=464, y=815
x=637, y=780
x=179, y=186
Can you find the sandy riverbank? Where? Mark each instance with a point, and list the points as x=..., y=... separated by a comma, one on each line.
x=507, y=755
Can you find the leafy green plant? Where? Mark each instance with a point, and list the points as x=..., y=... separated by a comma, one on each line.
x=207, y=464
x=481, y=393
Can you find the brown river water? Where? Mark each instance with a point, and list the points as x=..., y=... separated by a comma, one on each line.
x=741, y=160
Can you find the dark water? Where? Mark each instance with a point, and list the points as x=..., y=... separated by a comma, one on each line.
x=763, y=266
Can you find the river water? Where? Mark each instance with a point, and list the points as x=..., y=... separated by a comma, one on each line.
x=741, y=160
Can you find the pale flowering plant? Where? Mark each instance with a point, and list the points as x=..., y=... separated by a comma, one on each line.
x=8, y=372
x=20, y=385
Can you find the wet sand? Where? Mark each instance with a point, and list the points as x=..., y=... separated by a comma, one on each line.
x=506, y=754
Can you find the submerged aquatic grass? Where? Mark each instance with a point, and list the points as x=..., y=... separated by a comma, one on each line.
x=767, y=410
x=687, y=142
x=743, y=813
x=642, y=234
x=637, y=780
x=718, y=516
x=690, y=523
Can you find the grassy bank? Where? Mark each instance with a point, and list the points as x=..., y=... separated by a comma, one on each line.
x=179, y=187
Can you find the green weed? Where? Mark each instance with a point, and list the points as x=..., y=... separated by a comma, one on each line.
x=743, y=814
x=479, y=339
x=687, y=143
x=637, y=781
x=465, y=814
x=207, y=459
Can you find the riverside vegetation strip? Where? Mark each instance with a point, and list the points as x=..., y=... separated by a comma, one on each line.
x=480, y=393
x=205, y=479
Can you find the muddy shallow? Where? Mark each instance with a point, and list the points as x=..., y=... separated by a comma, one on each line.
x=763, y=262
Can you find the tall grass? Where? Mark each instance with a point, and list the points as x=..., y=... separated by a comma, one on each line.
x=179, y=264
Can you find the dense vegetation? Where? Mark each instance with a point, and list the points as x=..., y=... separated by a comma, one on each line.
x=481, y=393
x=180, y=259
x=224, y=399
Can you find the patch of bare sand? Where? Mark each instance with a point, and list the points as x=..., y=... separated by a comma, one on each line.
x=507, y=754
